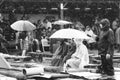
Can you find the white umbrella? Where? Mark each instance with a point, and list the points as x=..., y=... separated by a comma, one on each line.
x=23, y=25
x=69, y=34
x=61, y=22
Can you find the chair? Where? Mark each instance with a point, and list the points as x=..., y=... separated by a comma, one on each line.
x=45, y=44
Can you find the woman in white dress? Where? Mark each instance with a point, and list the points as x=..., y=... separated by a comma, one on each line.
x=80, y=58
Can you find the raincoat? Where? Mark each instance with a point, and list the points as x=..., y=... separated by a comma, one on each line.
x=80, y=58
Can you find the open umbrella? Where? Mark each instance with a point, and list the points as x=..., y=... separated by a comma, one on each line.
x=69, y=34
x=23, y=25
x=61, y=22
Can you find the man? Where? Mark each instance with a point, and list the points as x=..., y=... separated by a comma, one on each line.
x=106, y=48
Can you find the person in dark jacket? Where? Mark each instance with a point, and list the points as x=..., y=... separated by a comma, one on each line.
x=106, y=48
x=60, y=53
x=71, y=50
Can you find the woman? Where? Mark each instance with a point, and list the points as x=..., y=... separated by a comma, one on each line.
x=80, y=58
x=72, y=49
x=60, y=52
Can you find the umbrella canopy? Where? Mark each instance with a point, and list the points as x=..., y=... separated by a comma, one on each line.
x=23, y=25
x=61, y=22
x=69, y=34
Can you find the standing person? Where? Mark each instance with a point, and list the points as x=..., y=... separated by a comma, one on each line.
x=117, y=35
x=106, y=48
x=23, y=42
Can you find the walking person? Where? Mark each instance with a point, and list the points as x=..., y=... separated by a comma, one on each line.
x=106, y=48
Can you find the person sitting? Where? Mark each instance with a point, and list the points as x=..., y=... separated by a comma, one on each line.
x=78, y=59
x=60, y=53
x=71, y=50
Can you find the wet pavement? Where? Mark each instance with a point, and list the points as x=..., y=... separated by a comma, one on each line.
x=80, y=75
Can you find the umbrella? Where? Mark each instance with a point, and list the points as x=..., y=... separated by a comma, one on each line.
x=61, y=22
x=69, y=34
x=23, y=25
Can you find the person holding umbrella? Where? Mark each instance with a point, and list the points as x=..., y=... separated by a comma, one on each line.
x=25, y=27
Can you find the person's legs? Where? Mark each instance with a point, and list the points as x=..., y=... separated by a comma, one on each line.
x=107, y=66
x=109, y=70
x=23, y=52
x=102, y=66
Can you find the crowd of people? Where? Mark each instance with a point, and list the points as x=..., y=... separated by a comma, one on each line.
x=79, y=57
x=71, y=53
